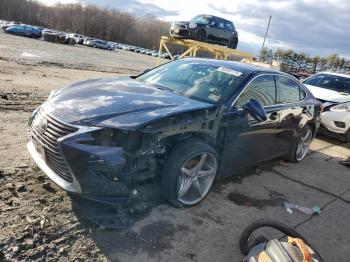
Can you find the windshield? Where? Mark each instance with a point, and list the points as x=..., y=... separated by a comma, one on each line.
x=193, y=79
x=332, y=82
x=201, y=19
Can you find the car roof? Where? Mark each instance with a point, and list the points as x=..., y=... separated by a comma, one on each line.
x=335, y=74
x=242, y=67
x=215, y=17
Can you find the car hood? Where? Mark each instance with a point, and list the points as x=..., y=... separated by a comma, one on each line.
x=328, y=95
x=122, y=103
x=181, y=23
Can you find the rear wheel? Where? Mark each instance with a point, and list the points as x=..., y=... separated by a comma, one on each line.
x=301, y=148
x=232, y=43
x=200, y=35
x=189, y=173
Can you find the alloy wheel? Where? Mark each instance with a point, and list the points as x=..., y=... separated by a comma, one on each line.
x=196, y=177
x=304, y=144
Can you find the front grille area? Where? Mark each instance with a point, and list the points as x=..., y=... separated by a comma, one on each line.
x=46, y=130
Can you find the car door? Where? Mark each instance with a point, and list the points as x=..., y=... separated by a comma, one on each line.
x=293, y=111
x=20, y=30
x=248, y=141
x=228, y=32
x=216, y=30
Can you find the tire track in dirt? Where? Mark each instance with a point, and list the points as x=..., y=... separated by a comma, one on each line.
x=20, y=101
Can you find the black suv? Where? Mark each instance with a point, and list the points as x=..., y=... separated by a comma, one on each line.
x=207, y=28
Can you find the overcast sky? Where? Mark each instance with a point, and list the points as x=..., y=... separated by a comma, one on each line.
x=316, y=27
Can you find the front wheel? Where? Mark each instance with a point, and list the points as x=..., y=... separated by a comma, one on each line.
x=301, y=148
x=200, y=35
x=189, y=173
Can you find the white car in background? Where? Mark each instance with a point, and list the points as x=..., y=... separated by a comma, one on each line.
x=333, y=89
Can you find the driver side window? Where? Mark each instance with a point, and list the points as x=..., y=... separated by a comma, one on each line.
x=262, y=89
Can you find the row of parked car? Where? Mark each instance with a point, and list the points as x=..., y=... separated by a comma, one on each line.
x=12, y=27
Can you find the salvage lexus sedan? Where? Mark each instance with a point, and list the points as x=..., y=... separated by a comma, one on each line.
x=183, y=124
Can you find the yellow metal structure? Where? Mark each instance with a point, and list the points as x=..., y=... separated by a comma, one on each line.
x=193, y=46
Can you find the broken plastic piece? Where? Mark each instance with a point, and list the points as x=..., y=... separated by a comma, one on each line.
x=289, y=207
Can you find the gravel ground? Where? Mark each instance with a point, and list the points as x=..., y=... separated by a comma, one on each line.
x=40, y=222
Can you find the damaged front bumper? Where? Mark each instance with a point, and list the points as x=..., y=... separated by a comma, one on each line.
x=70, y=156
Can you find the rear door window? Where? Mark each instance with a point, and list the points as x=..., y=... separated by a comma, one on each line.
x=288, y=91
x=262, y=89
x=229, y=26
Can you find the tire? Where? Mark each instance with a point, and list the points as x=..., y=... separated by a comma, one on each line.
x=187, y=180
x=200, y=34
x=232, y=43
x=306, y=137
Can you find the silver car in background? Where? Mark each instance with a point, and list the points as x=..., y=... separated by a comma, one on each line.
x=101, y=44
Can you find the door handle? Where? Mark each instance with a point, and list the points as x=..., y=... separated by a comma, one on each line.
x=274, y=115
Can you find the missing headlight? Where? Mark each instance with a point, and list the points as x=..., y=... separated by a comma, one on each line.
x=130, y=141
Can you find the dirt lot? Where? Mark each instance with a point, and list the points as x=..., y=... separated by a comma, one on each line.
x=39, y=222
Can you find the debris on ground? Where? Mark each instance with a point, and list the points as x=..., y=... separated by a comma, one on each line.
x=310, y=211
x=4, y=97
x=21, y=188
x=283, y=163
x=22, y=166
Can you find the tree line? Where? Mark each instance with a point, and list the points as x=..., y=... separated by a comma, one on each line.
x=123, y=27
x=292, y=61
x=88, y=20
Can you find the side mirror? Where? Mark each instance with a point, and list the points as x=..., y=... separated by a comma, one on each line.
x=255, y=109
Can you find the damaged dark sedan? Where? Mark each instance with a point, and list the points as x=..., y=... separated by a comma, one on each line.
x=183, y=124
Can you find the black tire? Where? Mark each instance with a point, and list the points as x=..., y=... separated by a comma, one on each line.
x=72, y=42
x=232, y=43
x=200, y=34
x=292, y=156
x=180, y=155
